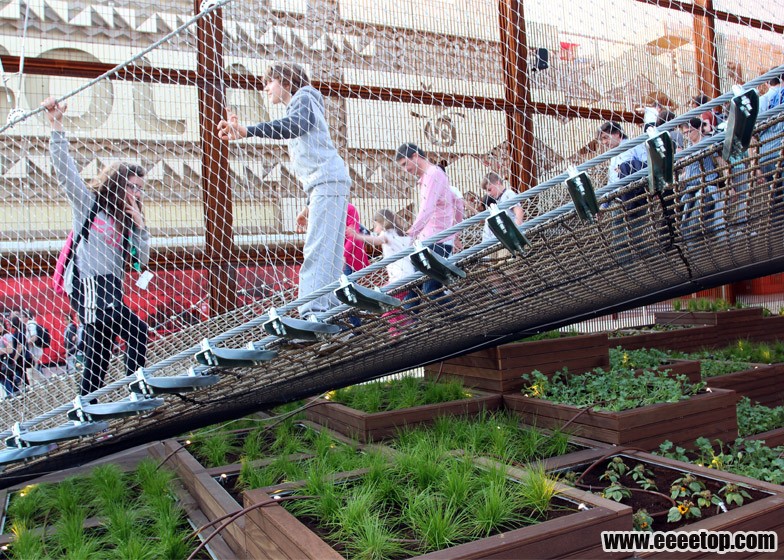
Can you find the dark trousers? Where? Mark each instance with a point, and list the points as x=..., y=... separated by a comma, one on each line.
x=431, y=288
x=106, y=317
x=355, y=321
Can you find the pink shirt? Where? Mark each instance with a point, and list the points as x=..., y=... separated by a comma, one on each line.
x=439, y=208
x=354, y=249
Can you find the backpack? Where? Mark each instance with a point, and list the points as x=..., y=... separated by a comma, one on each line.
x=65, y=270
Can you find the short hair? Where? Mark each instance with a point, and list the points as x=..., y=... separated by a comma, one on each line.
x=695, y=123
x=664, y=116
x=700, y=99
x=291, y=76
x=612, y=127
x=407, y=150
x=491, y=177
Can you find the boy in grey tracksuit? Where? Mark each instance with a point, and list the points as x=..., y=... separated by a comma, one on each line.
x=319, y=167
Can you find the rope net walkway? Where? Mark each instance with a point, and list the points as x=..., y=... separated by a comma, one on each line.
x=377, y=83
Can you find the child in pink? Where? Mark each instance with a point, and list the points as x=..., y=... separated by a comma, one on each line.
x=354, y=255
x=391, y=237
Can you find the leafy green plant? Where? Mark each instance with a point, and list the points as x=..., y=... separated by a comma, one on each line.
x=750, y=458
x=756, y=418
x=614, y=390
x=685, y=509
x=637, y=359
x=734, y=494
x=643, y=476
x=642, y=520
x=616, y=491
x=686, y=486
x=615, y=470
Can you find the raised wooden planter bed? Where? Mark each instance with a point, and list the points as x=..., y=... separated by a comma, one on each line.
x=500, y=369
x=772, y=438
x=368, y=427
x=681, y=340
x=762, y=383
x=733, y=317
x=210, y=497
x=750, y=326
x=272, y=532
x=710, y=414
x=763, y=514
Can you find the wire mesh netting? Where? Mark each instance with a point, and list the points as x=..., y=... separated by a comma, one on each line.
x=216, y=162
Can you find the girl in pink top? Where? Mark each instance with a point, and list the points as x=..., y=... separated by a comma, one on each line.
x=353, y=249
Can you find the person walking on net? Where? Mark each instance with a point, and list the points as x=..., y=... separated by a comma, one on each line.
x=439, y=207
x=112, y=207
x=316, y=163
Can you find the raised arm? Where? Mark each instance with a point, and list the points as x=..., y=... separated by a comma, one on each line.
x=64, y=165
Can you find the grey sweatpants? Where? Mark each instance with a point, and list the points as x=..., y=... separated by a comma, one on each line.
x=322, y=255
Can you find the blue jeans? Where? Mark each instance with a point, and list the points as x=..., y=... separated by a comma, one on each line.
x=431, y=288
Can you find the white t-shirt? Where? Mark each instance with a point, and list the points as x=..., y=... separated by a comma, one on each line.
x=393, y=244
x=487, y=233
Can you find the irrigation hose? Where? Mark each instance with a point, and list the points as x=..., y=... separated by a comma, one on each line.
x=239, y=514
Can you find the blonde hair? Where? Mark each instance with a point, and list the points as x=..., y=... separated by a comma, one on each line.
x=389, y=220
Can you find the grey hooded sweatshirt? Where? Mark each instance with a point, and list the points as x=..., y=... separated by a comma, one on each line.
x=102, y=253
x=314, y=159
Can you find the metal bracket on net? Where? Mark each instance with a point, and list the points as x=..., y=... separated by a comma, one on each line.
x=249, y=356
x=363, y=298
x=661, y=160
x=506, y=231
x=310, y=330
x=744, y=108
x=196, y=378
x=583, y=194
x=119, y=409
x=73, y=430
x=435, y=266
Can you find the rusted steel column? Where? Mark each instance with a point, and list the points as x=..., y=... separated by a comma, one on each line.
x=519, y=121
x=705, y=50
x=216, y=191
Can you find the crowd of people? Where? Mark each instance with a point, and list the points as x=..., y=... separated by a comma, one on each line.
x=109, y=212
x=712, y=193
x=22, y=343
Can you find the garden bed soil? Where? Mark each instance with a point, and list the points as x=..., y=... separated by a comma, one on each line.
x=709, y=414
x=762, y=383
x=499, y=369
x=764, y=513
x=272, y=532
x=369, y=427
